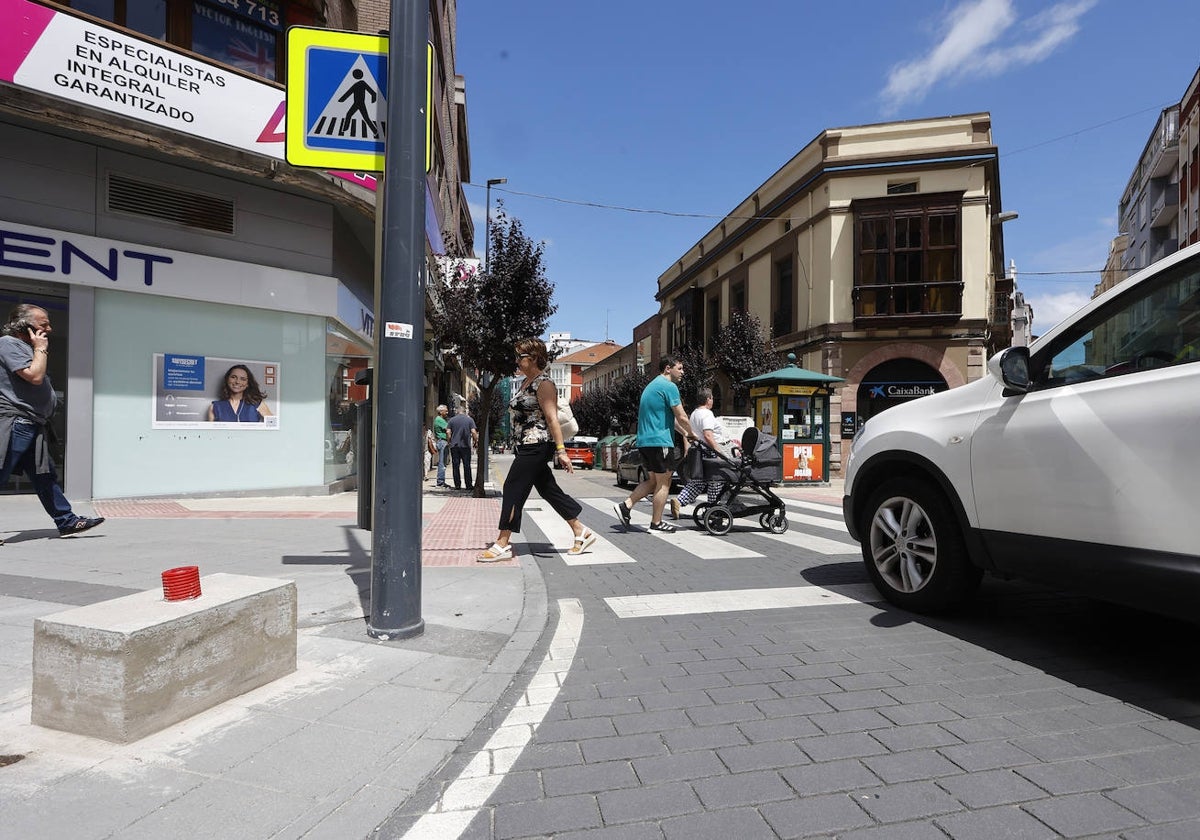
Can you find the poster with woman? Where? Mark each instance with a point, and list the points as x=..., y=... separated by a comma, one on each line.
x=213, y=392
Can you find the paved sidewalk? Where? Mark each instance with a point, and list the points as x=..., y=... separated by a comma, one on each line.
x=327, y=752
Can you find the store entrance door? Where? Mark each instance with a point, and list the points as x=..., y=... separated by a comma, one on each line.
x=51, y=297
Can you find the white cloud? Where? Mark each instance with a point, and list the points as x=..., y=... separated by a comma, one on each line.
x=1051, y=307
x=969, y=46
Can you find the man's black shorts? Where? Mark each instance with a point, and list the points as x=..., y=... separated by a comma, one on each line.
x=655, y=459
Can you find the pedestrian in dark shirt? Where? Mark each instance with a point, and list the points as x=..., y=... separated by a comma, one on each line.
x=27, y=400
x=463, y=436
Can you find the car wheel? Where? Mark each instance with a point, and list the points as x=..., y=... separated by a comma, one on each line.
x=913, y=549
x=718, y=520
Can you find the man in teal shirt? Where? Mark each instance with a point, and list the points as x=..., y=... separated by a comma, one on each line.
x=441, y=437
x=659, y=412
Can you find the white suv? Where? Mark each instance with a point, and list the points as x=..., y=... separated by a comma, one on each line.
x=1076, y=461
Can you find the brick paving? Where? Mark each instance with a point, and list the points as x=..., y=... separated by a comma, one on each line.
x=452, y=535
x=1037, y=714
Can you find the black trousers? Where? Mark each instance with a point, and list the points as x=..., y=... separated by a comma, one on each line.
x=461, y=455
x=530, y=470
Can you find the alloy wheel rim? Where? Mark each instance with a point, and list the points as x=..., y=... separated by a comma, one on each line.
x=903, y=545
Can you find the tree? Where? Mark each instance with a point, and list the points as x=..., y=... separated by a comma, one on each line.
x=624, y=398
x=591, y=410
x=483, y=314
x=493, y=417
x=695, y=374
x=741, y=350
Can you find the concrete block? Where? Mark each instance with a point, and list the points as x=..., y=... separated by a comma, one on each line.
x=123, y=669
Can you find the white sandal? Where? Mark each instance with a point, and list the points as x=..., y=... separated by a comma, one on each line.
x=583, y=542
x=496, y=553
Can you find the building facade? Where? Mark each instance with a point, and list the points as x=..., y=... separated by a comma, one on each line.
x=875, y=254
x=145, y=203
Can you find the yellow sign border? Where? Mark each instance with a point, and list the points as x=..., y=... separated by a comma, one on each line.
x=299, y=40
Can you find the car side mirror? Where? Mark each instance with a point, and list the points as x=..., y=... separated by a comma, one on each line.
x=1011, y=367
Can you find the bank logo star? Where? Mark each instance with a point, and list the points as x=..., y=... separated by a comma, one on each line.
x=877, y=391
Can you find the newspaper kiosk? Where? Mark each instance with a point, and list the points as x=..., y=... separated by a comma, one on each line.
x=793, y=404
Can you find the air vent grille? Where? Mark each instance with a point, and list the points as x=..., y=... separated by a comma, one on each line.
x=170, y=204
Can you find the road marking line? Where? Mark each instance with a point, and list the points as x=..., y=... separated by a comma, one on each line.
x=462, y=800
x=738, y=600
x=821, y=545
x=559, y=532
x=693, y=541
x=818, y=521
x=814, y=506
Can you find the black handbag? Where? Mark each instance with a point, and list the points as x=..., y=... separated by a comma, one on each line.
x=692, y=467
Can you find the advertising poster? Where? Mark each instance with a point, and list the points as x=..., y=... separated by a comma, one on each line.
x=213, y=392
x=803, y=462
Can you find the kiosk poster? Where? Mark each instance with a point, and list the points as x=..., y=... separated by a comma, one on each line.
x=213, y=392
x=803, y=462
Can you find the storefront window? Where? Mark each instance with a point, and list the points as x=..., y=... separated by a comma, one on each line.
x=346, y=356
x=241, y=34
x=148, y=17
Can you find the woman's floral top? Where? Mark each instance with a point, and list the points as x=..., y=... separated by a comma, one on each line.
x=528, y=422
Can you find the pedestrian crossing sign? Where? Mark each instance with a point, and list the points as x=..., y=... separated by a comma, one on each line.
x=336, y=99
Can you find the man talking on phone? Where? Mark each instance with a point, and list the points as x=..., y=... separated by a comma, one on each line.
x=27, y=401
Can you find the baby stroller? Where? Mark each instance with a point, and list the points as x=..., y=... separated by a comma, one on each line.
x=751, y=470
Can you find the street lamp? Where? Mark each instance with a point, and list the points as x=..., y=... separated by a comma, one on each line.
x=487, y=223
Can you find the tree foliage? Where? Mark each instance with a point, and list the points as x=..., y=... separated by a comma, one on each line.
x=741, y=349
x=695, y=374
x=483, y=314
x=591, y=412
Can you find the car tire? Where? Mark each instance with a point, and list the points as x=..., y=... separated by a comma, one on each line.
x=913, y=548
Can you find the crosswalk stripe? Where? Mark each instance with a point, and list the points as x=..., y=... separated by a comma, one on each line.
x=698, y=543
x=559, y=532
x=817, y=506
x=818, y=521
x=821, y=545
x=735, y=600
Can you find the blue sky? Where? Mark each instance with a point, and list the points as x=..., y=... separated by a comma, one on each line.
x=684, y=108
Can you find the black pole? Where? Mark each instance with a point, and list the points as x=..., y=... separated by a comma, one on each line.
x=398, y=387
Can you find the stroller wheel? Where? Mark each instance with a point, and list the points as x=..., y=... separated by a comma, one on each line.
x=698, y=514
x=718, y=519
x=776, y=523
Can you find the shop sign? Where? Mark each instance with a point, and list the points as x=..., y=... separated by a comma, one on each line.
x=849, y=424
x=902, y=390
x=66, y=56
x=762, y=391
x=37, y=253
x=798, y=389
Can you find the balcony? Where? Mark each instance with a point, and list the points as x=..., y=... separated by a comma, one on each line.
x=1164, y=154
x=907, y=304
x=1166, y=208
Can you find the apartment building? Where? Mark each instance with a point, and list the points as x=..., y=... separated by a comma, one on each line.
x=1189, y=164
x=875, y=254
x=145, y=203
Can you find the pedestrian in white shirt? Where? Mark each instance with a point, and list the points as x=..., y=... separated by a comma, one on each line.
x=707, y=428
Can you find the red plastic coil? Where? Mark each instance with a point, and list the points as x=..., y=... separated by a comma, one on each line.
x=181, y=583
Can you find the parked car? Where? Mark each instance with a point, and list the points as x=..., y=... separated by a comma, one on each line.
x=581, y=452
x=630, y=470
x=1073, y=461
